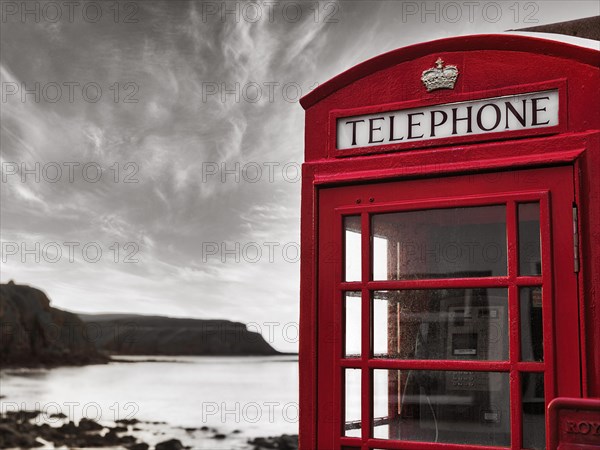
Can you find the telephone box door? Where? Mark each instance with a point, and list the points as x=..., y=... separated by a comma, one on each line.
x=445, y=319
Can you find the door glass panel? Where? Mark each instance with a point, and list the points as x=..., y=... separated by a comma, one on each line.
x=532, y=336
x=440, y=243
x=529, y=239
x=457, y=324
x=532, y=391
x=352, y=329
x=442, y=406
x=352, y=248
x=352, y=382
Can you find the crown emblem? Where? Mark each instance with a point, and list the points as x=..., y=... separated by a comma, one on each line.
x=439, y=77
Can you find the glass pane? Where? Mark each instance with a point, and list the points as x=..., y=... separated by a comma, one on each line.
x=464, y=324
x=352, y=330
x=532, y=391
x=352, y=382
x=440, y=243
x=530, y=261
x=380, y=263
x=352, y=248
x=442, y=406
x=532, y=342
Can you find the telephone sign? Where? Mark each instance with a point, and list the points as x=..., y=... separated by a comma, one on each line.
x=492, y=115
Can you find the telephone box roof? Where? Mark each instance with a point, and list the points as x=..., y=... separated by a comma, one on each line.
x=506, y=42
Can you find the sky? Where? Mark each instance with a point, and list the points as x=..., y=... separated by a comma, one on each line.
x=151, y=150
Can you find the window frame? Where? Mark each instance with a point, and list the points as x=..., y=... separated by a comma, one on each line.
x=511, y=198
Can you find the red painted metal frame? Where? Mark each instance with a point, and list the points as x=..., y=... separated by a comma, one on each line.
x=561, y=180
x=523, y=62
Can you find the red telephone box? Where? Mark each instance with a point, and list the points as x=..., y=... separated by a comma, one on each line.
x=450, y=246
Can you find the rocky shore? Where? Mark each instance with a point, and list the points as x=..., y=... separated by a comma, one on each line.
x=20, y=429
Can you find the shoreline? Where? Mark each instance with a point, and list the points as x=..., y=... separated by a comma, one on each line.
x=185, y=429
x=23, y=429
x=126, y=358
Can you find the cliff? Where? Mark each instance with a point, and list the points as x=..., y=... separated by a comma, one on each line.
x=157, y=335
x=32, y=333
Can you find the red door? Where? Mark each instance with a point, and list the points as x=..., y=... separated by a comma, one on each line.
x=447, y=311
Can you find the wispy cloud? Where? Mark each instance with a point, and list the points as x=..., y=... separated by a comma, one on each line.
x=152, y=153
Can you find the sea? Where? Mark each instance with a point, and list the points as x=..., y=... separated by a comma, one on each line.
x=192, y=399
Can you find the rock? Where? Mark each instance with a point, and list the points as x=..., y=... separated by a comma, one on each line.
x=138, y=446
x=89, y=425
x=58, y=416
x=17, y=431
x=10, y=437
x=220, y=436
x=112, y=437
x=127, y=421
x=287, y=442
x=23, y=415
x=127, y=440
x=284, y=442
x=69, y=428
x=261, y=443
x=172, y=444
x=92, y=440
x=35, y=334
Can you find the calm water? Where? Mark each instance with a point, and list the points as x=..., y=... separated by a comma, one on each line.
x=257, y=396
